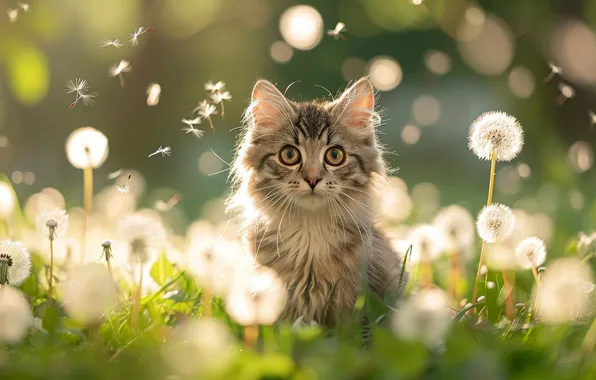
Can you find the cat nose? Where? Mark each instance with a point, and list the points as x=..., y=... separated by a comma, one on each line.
x=312, y=182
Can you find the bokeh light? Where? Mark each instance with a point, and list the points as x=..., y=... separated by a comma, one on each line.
x=491, y=51
x=410, y=134
x=437, y=62
x=573, y=47
x=281, y=52
x=7, y=200
x=426, y=110
x=353, y=68
x=581, y=156
x=521, y=82
x=384, y=72
x=209, y=163
x=301, y=26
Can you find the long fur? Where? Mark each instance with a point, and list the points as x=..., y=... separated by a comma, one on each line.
x=323, y=243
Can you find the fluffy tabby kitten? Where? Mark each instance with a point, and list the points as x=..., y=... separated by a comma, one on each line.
x=305, y=176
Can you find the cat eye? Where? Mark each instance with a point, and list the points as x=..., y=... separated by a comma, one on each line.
x=289, y=155
x=335, y=156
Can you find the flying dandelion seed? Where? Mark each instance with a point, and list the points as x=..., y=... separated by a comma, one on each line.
x=214, y=87
x=495, y=223
x=15, y=263
x=107, y=41
x=80, y=86
x=219, y=97
x=15, y=315
x=554, y=70
x=190, y=127
x=337, y=32
x=167, y=206
x=13, y=14
x=134, y=36
x=205, y=110
x=498, y=134
x=118, y=69
x=153, y=93
x=164, y=151
x=567, y=92
x=124, y=189
x=53, y=224
x=23, y=6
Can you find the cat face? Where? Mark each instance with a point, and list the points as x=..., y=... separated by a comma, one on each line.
x=310, y=155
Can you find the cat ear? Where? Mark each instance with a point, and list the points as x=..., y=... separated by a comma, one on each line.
x=355, y=108
x=269, y=108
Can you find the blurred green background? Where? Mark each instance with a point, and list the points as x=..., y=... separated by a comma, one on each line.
x=456, y=59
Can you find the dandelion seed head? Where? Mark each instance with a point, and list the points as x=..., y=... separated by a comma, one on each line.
x=562, y=295
x=198, y=347
x=531, y=253
x=86, y=147
x=88, y=293
x=7, y=199
x=498, y=133
x=483, y=270
x=257, y=298
x=143, y=235
x=106, y=244
x=428, y=242
x=424, y=317
x=495, y=223
x=457, y=225
x=53, y=224
x=15, y=315
x=214, y=87
x=18, y=259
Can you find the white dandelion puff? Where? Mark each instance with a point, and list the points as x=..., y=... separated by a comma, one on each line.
x=118, y=69
x=143, y=235
x=163, y=151
x=107, y=41
x=15, y=263
x=457, y=225
x=562, y=295
x=425, y=317
x=336, y=33
x=531, y=253
x=153, y=94
x=495, y=223
x=88, y=293
x=214, y=87
x=257, y=298
x=15, y=315
x=86, y=147
x=496, y=133
x=134, y=36
x=53, y=224
x=428, y=242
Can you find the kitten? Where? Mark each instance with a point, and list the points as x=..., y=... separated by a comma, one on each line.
x=305, y=176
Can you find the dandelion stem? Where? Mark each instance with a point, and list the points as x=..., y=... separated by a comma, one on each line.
x=549, y=77
x=223, y=111
x=51, y=281
x=427, y=274
x=535, y=273
x=108, y=254
x=251, y=335
x=509, y=299
x=590, y=339
x=211, y=124
x=134, y=320
x=454, y=275
x=88, y=202
x=207, y=299
x=121, y=79
x=491, y=185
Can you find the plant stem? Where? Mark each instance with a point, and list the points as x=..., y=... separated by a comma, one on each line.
x=427, y=274
x=88, y=202
x=535, y=273
x=223, y=111
x=509, y=299
x=134, y=320
x=251, y=334
x=454, y=275
x=491, y=185
x=211, y=124
x=207, y=299
x=50, y=291
x=108, y=254
x=589, y=339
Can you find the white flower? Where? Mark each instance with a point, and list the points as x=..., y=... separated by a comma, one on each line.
x=16, y=258
x=86, y=147
x=209, y=86
x=53, y=224
x=198, y=347
x=219, y=97
x=495, y=223
x=457, y=225
x=7, y=200
x=561, y=296
x=15, y=315
x=257, y=298
x=531, y=253
x=88, y=292
x=107, y=41
x=498, y=133
x=144, y=236
x=428, y=242
x=424, y=317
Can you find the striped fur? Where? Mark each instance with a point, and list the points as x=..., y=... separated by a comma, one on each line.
x=317, y=240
